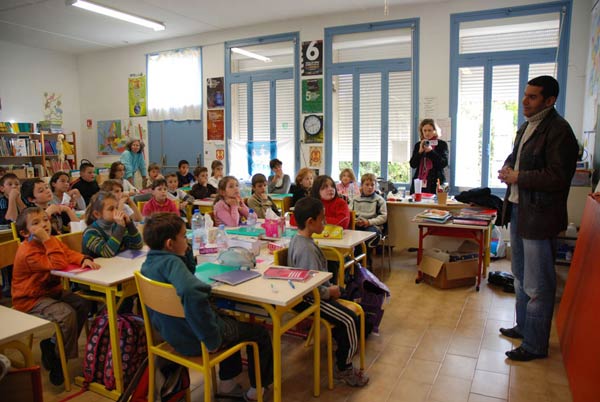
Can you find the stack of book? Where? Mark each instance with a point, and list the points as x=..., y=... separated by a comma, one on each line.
x=15, y=128
x=478, y=216
x=433, y=215
x=50, y=126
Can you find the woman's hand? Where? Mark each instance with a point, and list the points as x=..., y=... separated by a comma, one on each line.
x=88, y=263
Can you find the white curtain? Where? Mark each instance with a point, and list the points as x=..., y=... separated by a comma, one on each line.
x=175, y=85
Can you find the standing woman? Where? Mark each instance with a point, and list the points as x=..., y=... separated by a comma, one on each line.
x=429, y=157
x=133, y=159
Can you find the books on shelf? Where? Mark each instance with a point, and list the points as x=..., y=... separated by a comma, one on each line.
x=434, y=216
x=473, y=222
x=8, y=127
x=478, y=216
x=292, y=274
x=20, y=146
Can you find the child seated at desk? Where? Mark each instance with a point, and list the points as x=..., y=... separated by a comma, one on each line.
x=37, y=193
x=229, y=207
x=303, y=185
x=109, y=230
x=36, y=291
x=10, y=198
x=86, y=184
x=176, y=194
x=126, y=204
x=159, y=202
x=59, y=184
x=304, y=253
x=336, y=208
x=170, y=261
x=370, y=208
x=260, y=201
x=201, y=189
x=117, y=172
x=216, y=173
x=184, y=177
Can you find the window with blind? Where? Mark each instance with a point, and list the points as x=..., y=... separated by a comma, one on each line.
x=369, y=73
x=492, y=60
x=261, y=97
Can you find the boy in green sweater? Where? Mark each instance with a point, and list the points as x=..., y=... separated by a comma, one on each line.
x=170, y=260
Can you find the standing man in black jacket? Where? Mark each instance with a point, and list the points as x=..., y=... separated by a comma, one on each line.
x=538, y=173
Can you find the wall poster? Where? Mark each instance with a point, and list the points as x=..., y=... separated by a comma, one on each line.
x=214, y=92
x=312, y=58
x=137, y=95
x=110, y=139
x=312, y=96
x=215, y=125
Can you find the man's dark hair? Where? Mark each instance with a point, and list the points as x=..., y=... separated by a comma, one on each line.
x=199, y=169
x=274, y=163
x=258, y=178
x=549, y=85
x=183, y=162
x=110, y=184
x=172, y=174
x=160, y=227
x=307, y=207
x=21, y=223
x=6, y=177
x=28, y=186
x=158, y=182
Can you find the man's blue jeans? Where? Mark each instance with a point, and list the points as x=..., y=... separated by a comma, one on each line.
x=535, y=286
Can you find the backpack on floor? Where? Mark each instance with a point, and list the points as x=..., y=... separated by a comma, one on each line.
x=364, y=288
x=98, y=363
x=171, y=383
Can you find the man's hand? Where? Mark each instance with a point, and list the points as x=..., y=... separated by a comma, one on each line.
x=508, y=175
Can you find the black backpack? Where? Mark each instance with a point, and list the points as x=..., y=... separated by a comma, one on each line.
x=502, y=279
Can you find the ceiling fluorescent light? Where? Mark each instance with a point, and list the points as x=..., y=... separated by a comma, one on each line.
x=250, y=54
x=110, y=12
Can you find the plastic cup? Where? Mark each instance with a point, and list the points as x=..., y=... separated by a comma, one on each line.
x=212, y=235
x=442, y=198
x=418, y=197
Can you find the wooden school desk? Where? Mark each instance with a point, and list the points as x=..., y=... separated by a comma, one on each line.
x=346, y=245
x=17, y=325
x=114, y=279
x=205, y=205
x=282, y=201
x=478, y=233
x=277, y=298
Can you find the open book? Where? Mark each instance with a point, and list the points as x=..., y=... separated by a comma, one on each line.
x=287, y=273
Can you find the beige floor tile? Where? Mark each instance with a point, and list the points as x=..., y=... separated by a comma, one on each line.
x=407, y=337
x=460, y=345
x=490, y=384
x=523, y=395
x=528, y=378
x=450, y=389
x=490, y=360
x=431, y=350
x=423, y=371
x=483, y=398
x=408, y=390
x=458, y=366
x=559, y=393
x=499, y=343
x=397, y=355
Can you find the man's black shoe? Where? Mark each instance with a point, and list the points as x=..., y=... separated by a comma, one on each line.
x=48, y=353
x=521, y=355
x=511, y=333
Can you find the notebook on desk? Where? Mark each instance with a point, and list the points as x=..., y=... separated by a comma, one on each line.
x=236, y=277
x=287, y=273
x=132, y=253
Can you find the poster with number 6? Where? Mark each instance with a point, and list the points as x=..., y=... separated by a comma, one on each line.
x=312, y=57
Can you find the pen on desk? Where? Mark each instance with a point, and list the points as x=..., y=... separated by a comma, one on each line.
x=291, y=284
x=273, y=289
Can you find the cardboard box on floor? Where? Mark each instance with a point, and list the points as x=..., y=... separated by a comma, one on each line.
x=438, y=271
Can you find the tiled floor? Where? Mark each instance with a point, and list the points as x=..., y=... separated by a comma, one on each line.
x=435, y=345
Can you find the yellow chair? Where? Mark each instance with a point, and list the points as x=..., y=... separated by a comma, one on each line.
x=163, y=298
x=280, y=258
x=140, y=205
x=352, y=225
x=8, y=251
x=73, y=240
x=13, y=228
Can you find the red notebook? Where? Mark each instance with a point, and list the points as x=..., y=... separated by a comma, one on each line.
x=75, y=269
x=287, y=273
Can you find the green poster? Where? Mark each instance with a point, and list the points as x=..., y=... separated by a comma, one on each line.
x=137, y=95
x=312, y=96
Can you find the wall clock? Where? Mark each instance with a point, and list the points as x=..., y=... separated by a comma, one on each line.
x=313, y=124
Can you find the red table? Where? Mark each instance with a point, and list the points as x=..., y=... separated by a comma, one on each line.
x=473, y=232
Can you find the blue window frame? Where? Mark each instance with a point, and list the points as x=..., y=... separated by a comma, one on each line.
x=493, y=55
x=261, y=103
x=371, y=108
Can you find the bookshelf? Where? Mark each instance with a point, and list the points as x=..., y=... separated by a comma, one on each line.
x=38, y=150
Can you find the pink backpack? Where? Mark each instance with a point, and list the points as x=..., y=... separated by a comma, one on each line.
x=98, y=363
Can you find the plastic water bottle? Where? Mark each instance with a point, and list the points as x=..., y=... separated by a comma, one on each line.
x=221, y=238
x=252, y=218
x=351, y=191
x=199, y=235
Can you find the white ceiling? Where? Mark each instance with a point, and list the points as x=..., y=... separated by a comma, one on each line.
x=51, y=24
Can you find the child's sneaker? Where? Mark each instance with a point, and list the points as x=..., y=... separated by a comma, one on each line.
x=351, y=376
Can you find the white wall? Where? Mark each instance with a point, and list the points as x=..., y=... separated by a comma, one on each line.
x=26, y=73
x=103, y=75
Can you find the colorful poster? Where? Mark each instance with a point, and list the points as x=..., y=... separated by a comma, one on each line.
x=215, y=125
x=53, y=111
x=316, y=156
x=137, y=95
x=215, y=95
x=110, y=139
x=312, y=96
x=312, y=58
